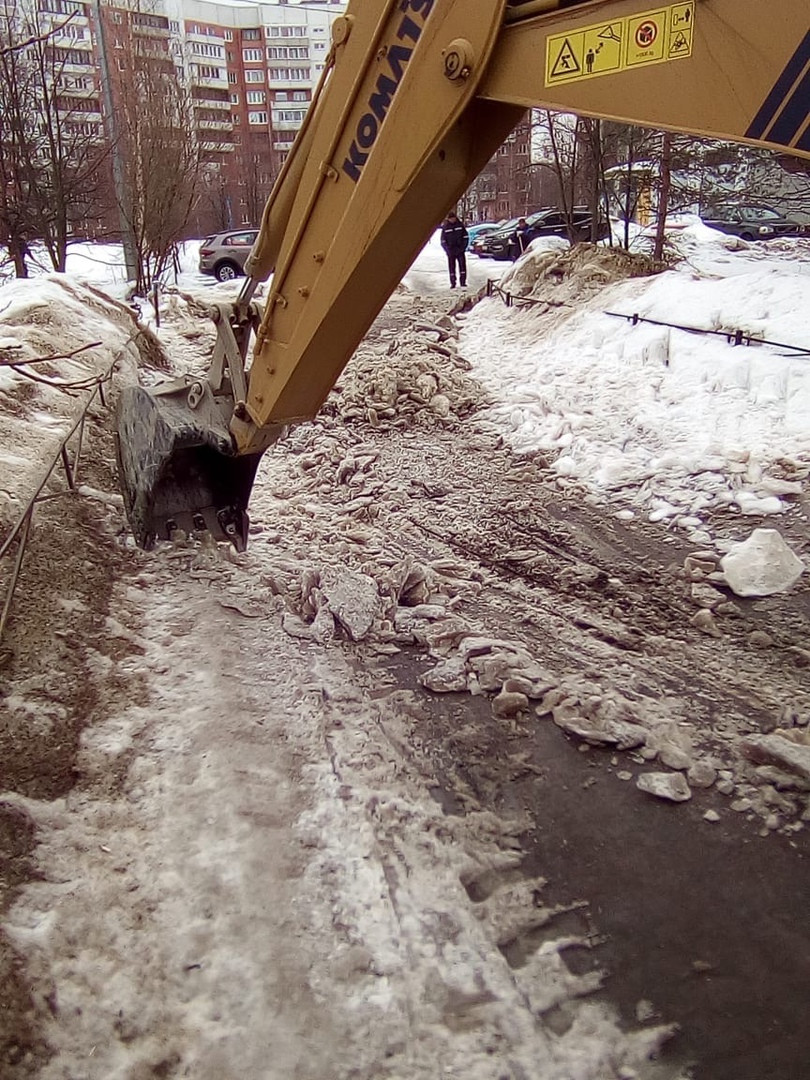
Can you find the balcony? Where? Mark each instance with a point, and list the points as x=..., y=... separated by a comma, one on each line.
x=64, y=40
x=161, y=32
x=212, y=103
x=80, y=117
x=71, y=67
x=68, y=90
x=286, y=125
x=217, y=148
x=276, y=83
x=223, y=124
x=211, y=84
x=46, y=18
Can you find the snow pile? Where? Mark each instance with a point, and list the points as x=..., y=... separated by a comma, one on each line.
x=649, y=418
x=408, y=379
x=39, y=401
x=558, y=274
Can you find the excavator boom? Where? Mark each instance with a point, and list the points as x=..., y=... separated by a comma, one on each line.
x=417, y=96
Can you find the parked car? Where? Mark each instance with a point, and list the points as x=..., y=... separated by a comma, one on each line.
x=224, y=254
x=481, y=229
x=752, y=222
x=549, y=222
x=485, y=244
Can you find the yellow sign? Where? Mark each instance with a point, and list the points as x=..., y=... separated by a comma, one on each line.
x=646, y=38
x=681, y=24
x=653, y=37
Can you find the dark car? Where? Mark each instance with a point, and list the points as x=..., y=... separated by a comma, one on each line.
x=504, y=244
x=752, y=222
x=224, y=254
x=490, y=242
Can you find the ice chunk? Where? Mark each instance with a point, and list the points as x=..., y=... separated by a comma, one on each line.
x=670, y=786
x=761, y=565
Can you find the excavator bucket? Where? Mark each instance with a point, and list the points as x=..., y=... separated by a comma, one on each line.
x=177, y=468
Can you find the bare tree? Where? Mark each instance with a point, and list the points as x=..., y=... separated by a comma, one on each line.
x=53, y=155
x=17, y=138
x=162, y=165
x=567, y=156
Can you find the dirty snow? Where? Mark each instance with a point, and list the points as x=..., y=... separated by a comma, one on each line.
x=271, y=891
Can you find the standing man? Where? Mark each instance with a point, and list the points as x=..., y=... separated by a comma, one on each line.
x=454, y=242
x=520, y=241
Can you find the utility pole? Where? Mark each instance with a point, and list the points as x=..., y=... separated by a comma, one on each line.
x=111, y=131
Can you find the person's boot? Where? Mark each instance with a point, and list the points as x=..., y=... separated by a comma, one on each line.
x=464, y=283
x=452, y=283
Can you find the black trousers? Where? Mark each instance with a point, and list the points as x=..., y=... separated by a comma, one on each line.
x=457, y=258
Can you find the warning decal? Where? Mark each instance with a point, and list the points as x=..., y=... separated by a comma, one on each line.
x=566, y=62
x=653, y=37
x=647, y=39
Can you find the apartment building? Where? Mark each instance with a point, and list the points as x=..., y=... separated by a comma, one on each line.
x=250, y=70
x=503, y=189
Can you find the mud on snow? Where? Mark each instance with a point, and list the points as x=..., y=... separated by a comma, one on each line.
x=303, y=825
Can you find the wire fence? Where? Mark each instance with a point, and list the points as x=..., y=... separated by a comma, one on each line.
x=73, y=441
x=732, y=336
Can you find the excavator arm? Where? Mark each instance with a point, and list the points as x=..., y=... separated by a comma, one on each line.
x=417, y=96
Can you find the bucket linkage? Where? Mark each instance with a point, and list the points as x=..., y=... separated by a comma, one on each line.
x=177, y=464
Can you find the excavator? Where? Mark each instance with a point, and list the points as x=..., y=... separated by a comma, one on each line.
x=416, y=96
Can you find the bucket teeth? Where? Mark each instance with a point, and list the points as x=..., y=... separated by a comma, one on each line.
x=177, y=467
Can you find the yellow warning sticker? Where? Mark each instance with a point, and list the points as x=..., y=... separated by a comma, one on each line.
x=681, y=22
x=653, y=37
x=646, y=38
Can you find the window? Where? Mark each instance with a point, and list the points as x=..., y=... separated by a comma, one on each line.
x=289, y=74
x=67, y=7
x=229, y=35
x=245, y=239
x=117, y=17
x=288, y=31
x=73, y=56
x=174, y=26
x=300, y=95
x=257, y=117
x=76, y=82
x=255, y=97
x=235, y=99
x=288, y=52
x=205, y=71
x=289, y=116
x=83, y=127
x=251, y=56
x=281, y=95
x=251, y=35
x=253, y=75
x=231, y=76
x=158, y=22
x=200, y=48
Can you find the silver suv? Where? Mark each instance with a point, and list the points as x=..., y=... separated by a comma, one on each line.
x=225, y=253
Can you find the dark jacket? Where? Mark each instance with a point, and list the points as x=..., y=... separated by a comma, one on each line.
x=454, y=237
